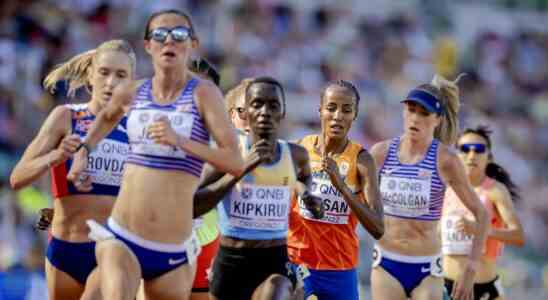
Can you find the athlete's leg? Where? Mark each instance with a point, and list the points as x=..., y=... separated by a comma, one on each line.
x=385, y=286
x=430, y=288
x=275, y=287
x=119, y=269
x=62, y=286
x=174, y=285
x=93, y=287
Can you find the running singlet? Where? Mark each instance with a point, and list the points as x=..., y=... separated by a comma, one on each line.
x=456, y=242
x=257, y=208
x=105, y=162
x=330, y=243
x=185, y=119
x=206, y=227
x=412, y=191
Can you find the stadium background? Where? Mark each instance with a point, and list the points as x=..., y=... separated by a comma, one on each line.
x=384, y=47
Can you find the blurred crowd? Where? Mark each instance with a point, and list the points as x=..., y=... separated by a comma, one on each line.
x=384, y=47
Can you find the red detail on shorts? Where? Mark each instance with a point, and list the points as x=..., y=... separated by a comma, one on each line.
x=205, y=261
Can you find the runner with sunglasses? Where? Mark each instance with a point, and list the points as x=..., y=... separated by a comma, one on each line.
x=324, y=252
x=71, y=254
x=251, y=263
x=415, y=170
x=496, y=191
x=170, y=119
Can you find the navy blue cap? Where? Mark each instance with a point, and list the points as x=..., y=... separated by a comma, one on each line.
x=425, y=99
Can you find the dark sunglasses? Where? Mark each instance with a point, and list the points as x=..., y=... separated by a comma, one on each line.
x=478, y=148
x=178, y=34
x=202, y=66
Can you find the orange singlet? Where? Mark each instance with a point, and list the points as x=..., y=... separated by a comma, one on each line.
x=330, y=243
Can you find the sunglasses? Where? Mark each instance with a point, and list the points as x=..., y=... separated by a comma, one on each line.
x=178, y=34
x=478, y=148
x=202, y=66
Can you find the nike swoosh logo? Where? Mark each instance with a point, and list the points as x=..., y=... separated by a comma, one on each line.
x=176, y=261
x=425, y=270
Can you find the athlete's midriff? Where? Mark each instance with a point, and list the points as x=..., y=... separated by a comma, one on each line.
x=156, y=204
x=71, y=213
x=453, y=266
x=411, y=237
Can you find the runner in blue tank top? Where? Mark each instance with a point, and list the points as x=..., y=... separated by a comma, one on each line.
x=253, y=214
x=170, y=119
x=415, y=169
x=71, y=254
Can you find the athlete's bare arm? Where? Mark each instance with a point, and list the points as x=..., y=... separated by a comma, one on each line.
x=215, y=184
x=370, y=214
x=53, y=145
x=304, y=180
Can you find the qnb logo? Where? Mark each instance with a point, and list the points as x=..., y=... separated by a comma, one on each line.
x=246, y=193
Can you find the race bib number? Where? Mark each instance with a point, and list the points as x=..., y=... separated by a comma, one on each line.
x=406, y=197
x=142, y=143
x=335, y=207
x=453, y=240
x=106, y=162
x=260, y=207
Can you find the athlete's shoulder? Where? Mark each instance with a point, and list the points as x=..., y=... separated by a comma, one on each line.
x=379, y=150
x=497, y=190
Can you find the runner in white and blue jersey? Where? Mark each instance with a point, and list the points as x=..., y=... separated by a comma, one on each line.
x=415, y=169
x=70, y=253
x=171, y=116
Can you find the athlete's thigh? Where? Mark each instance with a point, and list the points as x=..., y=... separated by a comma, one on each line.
x=62, y=286
x=385, y=286
x=93, y=286
x=174, y=285
x=430, y=288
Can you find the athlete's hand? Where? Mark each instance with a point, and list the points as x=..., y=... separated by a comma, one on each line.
x=46, y=215
x=260, y=152
x=313, y=204
x=162, y=133
x=467, y=226
x=464, y=286
x=330, y=167
x=77, y=175
x=65, y=149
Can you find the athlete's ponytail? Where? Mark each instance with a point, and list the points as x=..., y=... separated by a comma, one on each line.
x=76, y=70
x=494, y=170
x=448, y=129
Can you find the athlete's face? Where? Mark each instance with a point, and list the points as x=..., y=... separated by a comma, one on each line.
x=109, y=69
x=337, y=111
x=419, y=123
x=473, y=153
x=237, y=114
x=264, y=109
x=169, y=53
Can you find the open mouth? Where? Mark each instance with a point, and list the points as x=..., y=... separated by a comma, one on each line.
x=336, y=127
x=414, y=129
x=107, y=94
x=168, y=53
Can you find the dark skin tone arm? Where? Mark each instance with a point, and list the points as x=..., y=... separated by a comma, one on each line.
x=304, y=177
x=369, y=214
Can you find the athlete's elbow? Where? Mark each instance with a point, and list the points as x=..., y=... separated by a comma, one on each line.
x=520, y=239
x=379, y=232
x=15, y=182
